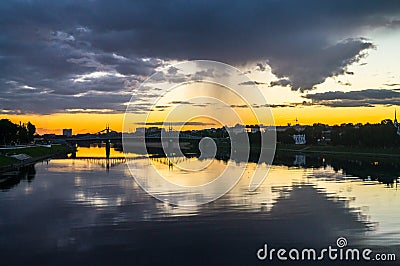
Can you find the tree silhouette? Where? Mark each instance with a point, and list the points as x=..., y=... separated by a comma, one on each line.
x=11, y=133
x=31, y=130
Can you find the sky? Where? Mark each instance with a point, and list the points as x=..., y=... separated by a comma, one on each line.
x=77, y=64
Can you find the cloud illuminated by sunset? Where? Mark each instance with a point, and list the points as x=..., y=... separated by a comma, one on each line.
x=317, y=62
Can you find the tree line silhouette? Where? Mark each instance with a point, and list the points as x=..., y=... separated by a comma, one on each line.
x=11, y=133
x=382, y=135
x=379, y=135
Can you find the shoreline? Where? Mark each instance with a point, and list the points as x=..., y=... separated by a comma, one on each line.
x=37, y=153
x=43, y=153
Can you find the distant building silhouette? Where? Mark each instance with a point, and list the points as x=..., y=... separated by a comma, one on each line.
x=299, y=139
x=67, y=132
x=141, y=130
x=237, y=129
x=395, y=123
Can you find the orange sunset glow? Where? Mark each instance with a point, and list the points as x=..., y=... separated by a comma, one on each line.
x=92, y=123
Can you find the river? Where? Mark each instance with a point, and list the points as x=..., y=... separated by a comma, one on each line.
x=91, y=211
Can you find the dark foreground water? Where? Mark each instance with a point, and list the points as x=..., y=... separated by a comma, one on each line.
x=72, y=211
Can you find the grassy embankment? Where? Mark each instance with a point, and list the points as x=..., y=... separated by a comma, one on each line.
x=34, y=152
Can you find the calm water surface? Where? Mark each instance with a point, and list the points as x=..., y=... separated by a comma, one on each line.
x=69, y=211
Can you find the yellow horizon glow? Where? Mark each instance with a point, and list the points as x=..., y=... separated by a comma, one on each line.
x=307, y=115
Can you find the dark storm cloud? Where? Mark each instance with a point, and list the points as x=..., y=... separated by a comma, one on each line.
x=180, y=102
x=127, y=66
x=369, y=97
x=49, y=44
x=272, y=105
x=252, y=83
x=162, y=106
x=307, y=71
x=239, y=106
x=281, y=82
x=172, y=70
x=281, y=105
x=261, y=67
x=354, y=95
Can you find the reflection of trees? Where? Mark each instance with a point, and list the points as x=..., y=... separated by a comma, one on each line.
x=384, y=170
x=9, y=180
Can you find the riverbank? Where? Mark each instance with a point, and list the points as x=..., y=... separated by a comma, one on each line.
x=34, y=154
x=339, y=150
